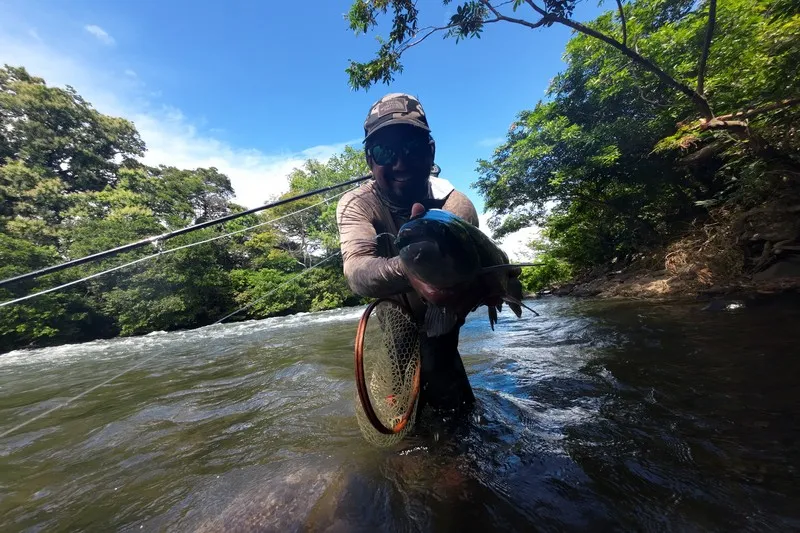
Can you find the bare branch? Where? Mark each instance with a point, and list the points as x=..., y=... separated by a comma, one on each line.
x=701, y=69
x=789, y=102
x=698, y=99
x=717, y=124
x=500, y=16
x=624, y=23
x=536, y=8
x=431, y=31
x=651, y=102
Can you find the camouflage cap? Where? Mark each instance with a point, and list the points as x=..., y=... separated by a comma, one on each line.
x=395, y=108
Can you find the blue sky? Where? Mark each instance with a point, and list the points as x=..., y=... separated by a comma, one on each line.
x=255, y=88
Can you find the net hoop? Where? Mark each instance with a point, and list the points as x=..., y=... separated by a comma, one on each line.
x=361, y=382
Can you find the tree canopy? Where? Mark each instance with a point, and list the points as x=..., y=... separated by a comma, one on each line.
x=72, y=184
x=665, y=108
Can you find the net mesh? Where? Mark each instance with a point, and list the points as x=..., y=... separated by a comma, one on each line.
x=391, y=356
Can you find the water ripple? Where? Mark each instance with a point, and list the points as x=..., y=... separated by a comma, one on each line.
x=593, y=416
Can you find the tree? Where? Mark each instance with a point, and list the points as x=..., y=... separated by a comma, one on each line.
x=304, y=234
x=314, y=230
x=626, y=146
x=71, y=185
x=624, y=34
x=56, y=132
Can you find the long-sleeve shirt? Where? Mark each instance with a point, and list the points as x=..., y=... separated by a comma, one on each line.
x=367, y=228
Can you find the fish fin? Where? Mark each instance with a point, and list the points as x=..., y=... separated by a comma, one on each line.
x=439, y=321
x=516, y=306
x=492, y=316
x=507, y=266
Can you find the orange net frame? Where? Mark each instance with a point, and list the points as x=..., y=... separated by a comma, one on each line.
x=387, y=367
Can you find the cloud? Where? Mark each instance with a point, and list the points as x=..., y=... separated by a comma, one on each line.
x=514, y=244
x=129, y=72
x=491, y=142
x=171, y=138
x=33, y=33
x=101, y=34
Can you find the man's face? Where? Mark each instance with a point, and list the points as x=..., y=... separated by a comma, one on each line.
x=400, y=159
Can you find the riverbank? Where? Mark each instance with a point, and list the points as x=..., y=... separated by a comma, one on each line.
x=731, y=253
x=661, y=284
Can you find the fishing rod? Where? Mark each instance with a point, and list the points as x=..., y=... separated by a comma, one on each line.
x=172, y=234
x=162, y=253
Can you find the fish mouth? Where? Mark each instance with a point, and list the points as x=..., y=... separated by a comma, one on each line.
x=421, y=253
x=425, y=261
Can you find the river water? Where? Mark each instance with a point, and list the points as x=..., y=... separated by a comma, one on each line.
x=594, y=416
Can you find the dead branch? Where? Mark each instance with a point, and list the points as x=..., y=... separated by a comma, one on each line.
x=701, y=69
x=624, y=24
x=522, y=22
x=789, y=102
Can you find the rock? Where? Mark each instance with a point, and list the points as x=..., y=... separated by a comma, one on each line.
x=785, y=268
x=772, y=237
x=564, y=289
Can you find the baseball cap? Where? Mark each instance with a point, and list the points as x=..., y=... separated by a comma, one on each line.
x=395, y=108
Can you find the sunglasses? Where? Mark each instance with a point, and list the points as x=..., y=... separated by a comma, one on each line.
x=386, y=153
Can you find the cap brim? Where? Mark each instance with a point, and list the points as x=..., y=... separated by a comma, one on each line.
x=394, y=122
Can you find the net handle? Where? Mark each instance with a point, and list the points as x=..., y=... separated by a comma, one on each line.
x=361, y=382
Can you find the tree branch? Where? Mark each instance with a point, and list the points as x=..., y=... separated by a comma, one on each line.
x=789, y=102
x=698, y=99
x=701, y=69
x=651, y=102
x=536, y=8
x=500, y=16
x=431, y=31
x=624, y=24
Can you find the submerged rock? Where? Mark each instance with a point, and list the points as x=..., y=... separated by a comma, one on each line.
x=785, y=268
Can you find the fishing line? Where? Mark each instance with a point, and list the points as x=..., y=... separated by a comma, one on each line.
x=84, y=393
x=288, y=281
x=146, y=359
x=164, y=252
x=175, y=233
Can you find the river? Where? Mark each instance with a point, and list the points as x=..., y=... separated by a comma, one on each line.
x=594, y=416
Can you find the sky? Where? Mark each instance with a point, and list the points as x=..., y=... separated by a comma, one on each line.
x=256, y=88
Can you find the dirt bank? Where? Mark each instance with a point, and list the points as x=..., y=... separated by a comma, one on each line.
x=732, y=252
x=661, y=284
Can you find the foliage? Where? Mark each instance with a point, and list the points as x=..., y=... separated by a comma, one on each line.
x=71, y=185
x=666, y=107
x=552, y=271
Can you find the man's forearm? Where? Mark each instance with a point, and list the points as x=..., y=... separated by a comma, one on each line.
x=376, y=277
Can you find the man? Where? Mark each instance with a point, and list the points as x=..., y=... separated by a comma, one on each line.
x=400, y=152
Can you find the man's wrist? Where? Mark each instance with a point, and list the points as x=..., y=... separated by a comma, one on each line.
x=397, y=267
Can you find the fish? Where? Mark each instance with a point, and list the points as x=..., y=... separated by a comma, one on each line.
x=456, y=268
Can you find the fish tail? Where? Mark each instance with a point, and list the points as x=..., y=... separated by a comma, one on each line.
x=493, y=316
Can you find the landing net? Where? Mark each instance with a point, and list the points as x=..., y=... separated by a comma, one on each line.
x=387, y=361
